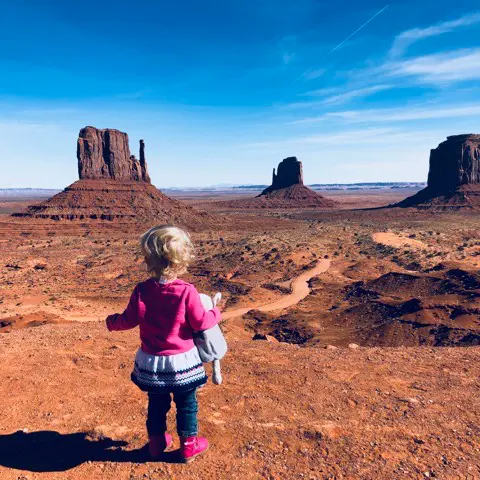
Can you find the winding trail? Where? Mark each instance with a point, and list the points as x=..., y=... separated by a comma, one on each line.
x=300, y=290
x=299, y=285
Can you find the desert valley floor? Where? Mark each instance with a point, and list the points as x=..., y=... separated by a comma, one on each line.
x=353, y=341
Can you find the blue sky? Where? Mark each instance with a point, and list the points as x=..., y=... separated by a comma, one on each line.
x=222, y=90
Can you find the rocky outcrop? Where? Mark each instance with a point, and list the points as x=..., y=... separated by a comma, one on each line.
x=286, y=192
x=143, y=163
x=116, y=201
x=289, y=172
x=105, y=154
x=114, y=187
x=455, y=162
x=453, y=178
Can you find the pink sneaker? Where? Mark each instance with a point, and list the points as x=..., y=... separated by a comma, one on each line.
x=157, y=444
x=191, y=447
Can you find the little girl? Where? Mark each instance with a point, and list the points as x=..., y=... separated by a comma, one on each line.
x=168, y=311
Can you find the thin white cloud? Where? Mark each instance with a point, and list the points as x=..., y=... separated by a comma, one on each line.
x=441, y=68
x=396, y=114
x=364, y=136
x=357, y=93
x=338, y=98
x=330, y=138
x=409, y=37
x=322, y=92
x=296, y=105
x=372, y=136
x=312, y=74
x=8, y=128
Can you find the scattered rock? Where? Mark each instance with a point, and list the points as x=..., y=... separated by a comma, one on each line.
x=13, y=266
x=353, y=346
x=409, y=400
x=272, y=339
x=262, y=336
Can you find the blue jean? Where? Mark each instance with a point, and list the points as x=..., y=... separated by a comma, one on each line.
x=187, y=408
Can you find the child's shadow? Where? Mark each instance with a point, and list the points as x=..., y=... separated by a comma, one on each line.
x=48, y=451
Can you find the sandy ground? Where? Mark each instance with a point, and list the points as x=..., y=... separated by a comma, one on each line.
x=283, y=412
x=394, y=240
x=307, y=403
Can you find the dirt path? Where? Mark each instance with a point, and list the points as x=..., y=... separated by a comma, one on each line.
x=36, y=308
x=393, y=240
x=300, y=290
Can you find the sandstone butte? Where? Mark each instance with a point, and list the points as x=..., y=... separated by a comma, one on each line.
x=114, y=186
x=289, y=173
x=453, y=178
x=105, y=154
x=286, y=191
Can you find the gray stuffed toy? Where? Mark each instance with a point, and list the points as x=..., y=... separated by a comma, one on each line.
x=211, y=343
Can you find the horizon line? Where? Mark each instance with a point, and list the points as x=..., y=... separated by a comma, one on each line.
x=239, y=185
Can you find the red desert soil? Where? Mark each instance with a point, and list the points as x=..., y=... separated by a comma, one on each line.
x=301, y=405
x=283, y=412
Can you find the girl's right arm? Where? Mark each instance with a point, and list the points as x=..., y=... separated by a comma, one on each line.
x=197, y=316
x=130, y=318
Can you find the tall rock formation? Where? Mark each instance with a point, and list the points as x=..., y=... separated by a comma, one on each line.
x=287, y=191
x=114, y=186
x=143, y=163
x=455, y=162
x=289, y=172
x=105, y=154
x=453, y=177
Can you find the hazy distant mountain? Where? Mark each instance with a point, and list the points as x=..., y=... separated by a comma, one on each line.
x=10, y=193
x=6, y=193
x=350, y=186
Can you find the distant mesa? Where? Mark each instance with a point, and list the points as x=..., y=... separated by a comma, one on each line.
x=455, y=162
x=286, y=191
x=289, y=173
x=114, y=186
x=453, y=178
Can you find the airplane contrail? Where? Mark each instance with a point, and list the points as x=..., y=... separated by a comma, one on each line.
x=358, y=29
x=346, y=40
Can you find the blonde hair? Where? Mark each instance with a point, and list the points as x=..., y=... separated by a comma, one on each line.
x=167, y=249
